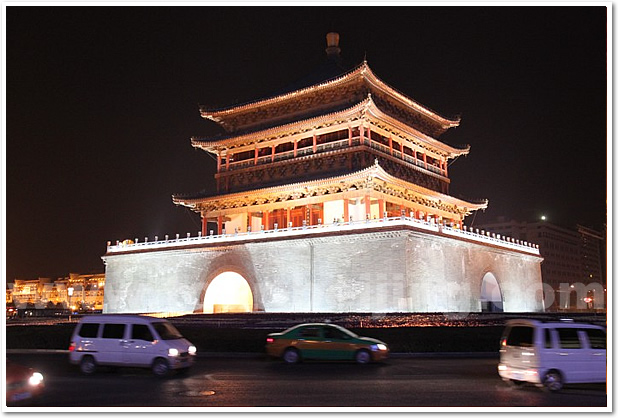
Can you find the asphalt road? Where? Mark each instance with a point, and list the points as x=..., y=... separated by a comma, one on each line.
x=255, y=381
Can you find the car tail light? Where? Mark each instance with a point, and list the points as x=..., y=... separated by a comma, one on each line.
x=270, y=340
x=72, y=347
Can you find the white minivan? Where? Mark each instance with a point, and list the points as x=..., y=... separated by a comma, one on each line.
x=552, y=354
x=130, y=341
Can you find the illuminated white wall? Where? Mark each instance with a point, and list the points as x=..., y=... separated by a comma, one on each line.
x=356, y=208
x=395, y=271
x=333, y=210
x=256, y=223
x=237, y=222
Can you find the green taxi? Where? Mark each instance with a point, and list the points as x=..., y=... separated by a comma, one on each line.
x=322, y=341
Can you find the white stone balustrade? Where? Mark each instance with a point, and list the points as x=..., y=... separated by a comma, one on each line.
x=481, y=237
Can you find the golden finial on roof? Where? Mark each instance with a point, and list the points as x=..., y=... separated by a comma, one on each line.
x=332, y=44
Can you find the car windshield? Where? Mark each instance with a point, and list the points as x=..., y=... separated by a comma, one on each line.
x=166, y=331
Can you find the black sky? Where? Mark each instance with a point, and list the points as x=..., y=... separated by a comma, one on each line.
x=101, y=103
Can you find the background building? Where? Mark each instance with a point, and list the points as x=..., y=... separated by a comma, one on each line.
x=573, y=261
x=77, y=292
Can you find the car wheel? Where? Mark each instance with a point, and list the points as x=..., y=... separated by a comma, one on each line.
x=88, y=366
x=160, y=367
x=552, y=381
x=291, y=356
x=363, y=357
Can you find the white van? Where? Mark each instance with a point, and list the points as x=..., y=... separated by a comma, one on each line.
x=552, y=354
x=131, y=341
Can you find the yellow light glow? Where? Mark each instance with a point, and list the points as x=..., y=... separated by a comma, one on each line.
x=228, y=292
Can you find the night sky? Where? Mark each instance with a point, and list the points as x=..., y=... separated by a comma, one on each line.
x=101, y=103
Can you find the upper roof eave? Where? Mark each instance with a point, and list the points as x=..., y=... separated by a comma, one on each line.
x=363, y=70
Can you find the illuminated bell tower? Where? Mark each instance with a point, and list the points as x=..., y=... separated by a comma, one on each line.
x=331, y=196
x=346, y=148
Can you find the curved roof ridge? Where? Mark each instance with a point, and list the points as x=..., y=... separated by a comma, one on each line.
x=382, y=85
x=333, y=80
x=358, y=107
x=361, y=107
x=375, y=170
x=362, y=70
x=379, y=113
x=284, y=187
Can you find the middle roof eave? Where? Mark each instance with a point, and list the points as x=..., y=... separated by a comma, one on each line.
x=364, y=109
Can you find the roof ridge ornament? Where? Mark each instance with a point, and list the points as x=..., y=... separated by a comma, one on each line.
x=332, y=45
x=364, y=67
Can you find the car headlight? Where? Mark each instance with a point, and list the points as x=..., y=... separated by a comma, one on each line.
x=172, y=352
x=378, y=347
x=192, y=350
x=35, y=379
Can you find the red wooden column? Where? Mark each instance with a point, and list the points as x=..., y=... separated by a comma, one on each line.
x=289, y=217
x=272, y=156
x=218, y=163
x=265, y=219
x=367, y=207
x=255, y=158
x=361, y=131
x=390, y=144
x=381, y=207
x=346, y=211
x=349, y=136
x=425, y=159
x=446, y=168
x=220, y=225
x=204, y=226
x=315, y=143
x=401, y=149
x=295, y=148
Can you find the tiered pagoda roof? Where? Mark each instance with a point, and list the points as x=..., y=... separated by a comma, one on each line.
x=367, y=109
x=326, y=97
x=371, y=179
x=317, y=142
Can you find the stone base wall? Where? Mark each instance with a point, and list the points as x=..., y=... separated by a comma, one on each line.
x=393, y=271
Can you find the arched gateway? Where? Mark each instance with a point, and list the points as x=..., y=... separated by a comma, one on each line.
x=228, y=292
x=491, y=295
